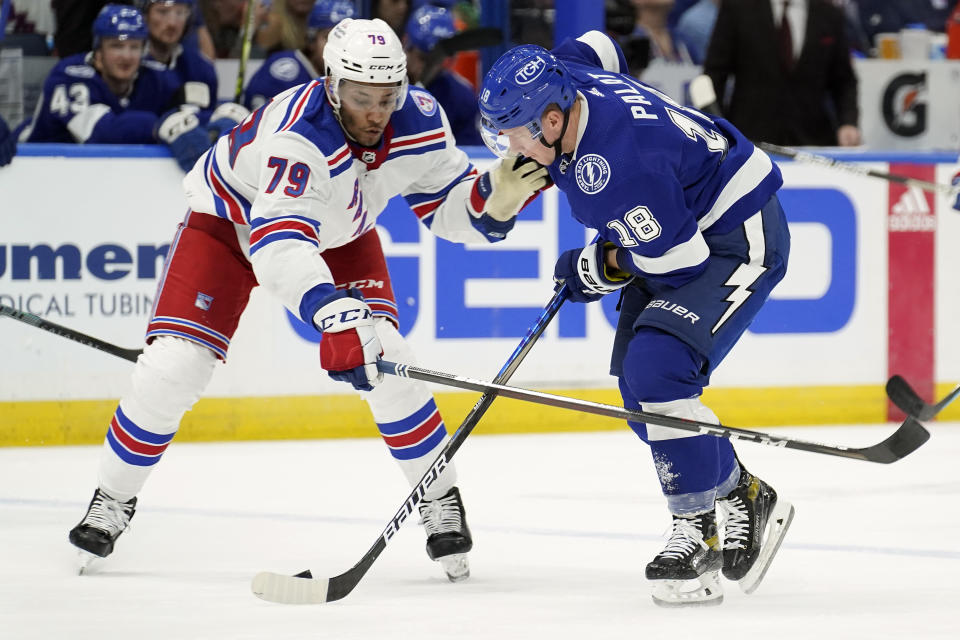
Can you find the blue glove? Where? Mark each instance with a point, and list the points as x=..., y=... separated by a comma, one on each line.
x=586, y=275
x=180, y=130
x=955, y=183
x=8, y=144
x=225, y=117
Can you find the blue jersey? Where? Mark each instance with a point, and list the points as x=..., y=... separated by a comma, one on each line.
x=459, y=100
x=192, y=77
x=650, y=175
x=78, y=106
x=279, y=72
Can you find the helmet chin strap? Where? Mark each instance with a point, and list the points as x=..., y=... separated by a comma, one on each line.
x=556, y=144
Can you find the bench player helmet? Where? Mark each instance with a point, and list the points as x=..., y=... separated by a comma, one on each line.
x=427, y=26
x=366, y=51
x=518, y=89
x=118, y=21
x=326, y=13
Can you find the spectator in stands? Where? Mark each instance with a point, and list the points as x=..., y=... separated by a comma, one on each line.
x=393, y=12
x=290, y=68
x=695, y=25
x=111, y=95
x=426, y=27
x=793, y=80
x=286, y=26
x=8, y=144
x=186, y=67
x=225, y=20
x=651, y=25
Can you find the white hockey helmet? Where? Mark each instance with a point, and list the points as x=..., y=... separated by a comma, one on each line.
x=364, y=51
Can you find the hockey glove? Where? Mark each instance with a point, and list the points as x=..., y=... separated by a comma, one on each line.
x=955, y=183
x=586, y=274
x=500, y=193
x=224, y=118
x=349, y=348
x=8, y=144
x=181, y=131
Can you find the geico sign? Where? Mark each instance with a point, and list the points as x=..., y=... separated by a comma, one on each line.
x=103, y=261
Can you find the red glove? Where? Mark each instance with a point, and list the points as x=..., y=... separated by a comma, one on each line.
x=350, y=348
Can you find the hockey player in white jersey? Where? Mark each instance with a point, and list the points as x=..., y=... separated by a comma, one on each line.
x=691, y=233
x=288, y=200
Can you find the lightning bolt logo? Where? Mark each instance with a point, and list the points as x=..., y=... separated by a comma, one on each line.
x=745, y=274
x=742, y=278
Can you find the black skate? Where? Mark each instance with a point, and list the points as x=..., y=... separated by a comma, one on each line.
x=448, y=536
x=106, y=519
x=685, y=572
x=754, y=526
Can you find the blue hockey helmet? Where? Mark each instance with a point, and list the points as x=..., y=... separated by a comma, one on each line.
x=516, y=91
x=427, y=26
x=118, y=21
x=326, y=13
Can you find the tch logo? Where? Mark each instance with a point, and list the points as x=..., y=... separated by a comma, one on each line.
x=905, y=104
x=530, y=71
x=911, y=212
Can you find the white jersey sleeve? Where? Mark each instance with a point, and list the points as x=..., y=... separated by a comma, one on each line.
x=440, y=194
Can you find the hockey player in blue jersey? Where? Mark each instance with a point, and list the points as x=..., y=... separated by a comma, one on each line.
x=693, y=237
x=425, y=28
x=110, y=95
x=285, y=69
x=188, y=69
x=104, y=96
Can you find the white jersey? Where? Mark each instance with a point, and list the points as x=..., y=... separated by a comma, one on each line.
x=294, y=186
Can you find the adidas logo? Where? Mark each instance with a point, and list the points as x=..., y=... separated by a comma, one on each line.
x=912, y=213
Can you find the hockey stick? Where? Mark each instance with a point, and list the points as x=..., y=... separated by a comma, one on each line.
x=909, y=401
x=303, y=588
x=69, y=334
x=905, y=440
x=245, y=47
x=704, y=98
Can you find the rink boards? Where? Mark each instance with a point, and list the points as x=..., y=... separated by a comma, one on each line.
x=871, y=290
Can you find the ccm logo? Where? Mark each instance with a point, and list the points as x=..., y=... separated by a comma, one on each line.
x=382, y=67
x=344, y=317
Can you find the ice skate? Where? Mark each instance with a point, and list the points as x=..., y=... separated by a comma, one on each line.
x=753, y=528
x=685, y=573
x=448, y=536
x=105, y=520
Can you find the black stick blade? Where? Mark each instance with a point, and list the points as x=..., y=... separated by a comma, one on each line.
x=906, y=399
x=905, y=440
x=909, y=401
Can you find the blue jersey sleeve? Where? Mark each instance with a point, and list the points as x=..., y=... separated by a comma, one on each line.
x=593, y=49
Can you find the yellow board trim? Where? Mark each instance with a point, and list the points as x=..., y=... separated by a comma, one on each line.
x=72, y=422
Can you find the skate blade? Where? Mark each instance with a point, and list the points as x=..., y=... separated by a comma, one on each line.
x=704, y=591
x=87, y=561
x=456, y=566
x=777, y=527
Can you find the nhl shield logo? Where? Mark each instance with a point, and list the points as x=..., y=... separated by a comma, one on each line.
x=368, y=156
x=592, y=173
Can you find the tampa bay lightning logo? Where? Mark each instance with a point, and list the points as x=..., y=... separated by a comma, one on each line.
x=530, y=71
x=593, y=173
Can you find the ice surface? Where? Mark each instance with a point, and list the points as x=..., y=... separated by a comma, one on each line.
x=563, y=525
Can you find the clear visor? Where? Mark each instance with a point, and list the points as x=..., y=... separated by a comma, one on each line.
x=499, y=142
x=362, y=96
